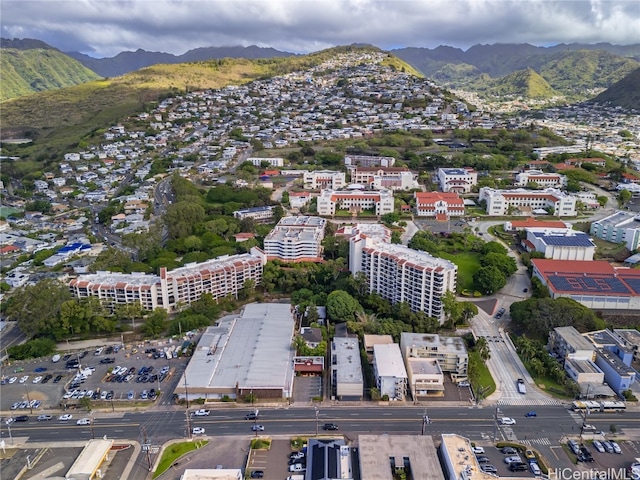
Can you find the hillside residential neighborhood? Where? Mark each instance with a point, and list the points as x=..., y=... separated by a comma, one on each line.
x=350, y=282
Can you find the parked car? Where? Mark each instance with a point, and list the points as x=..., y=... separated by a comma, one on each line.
x=257, y=474
x=512, y=459
x=298, y=467
x=40, y=369
x=84, y=421
x=257, y=428
x=607, y=446
x=575, y=448
x=616, y=447
x=598, y=446
x=65, y=417
x=201, y=413
x=13, y=379
x=330, y=426
x=47, y=378
x=24, y=379
x=57, y=379
x=483, y=459
x=535, y=468
x=464, y=383
x=42, y=418
x=295, y=455
x=528, y=454
x=198, y=430
x=15, y=406
x=488, y=468
x=130, y=395
x=518, y=467
x=477, y=450
x=509, y=451
x=507, y=421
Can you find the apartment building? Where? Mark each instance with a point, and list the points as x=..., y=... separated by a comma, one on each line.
x=617, y=228
x=347, y=381
x=379, y=178
x=440, y=205
x=355, y=201
x=172, y=289
x=368, y=161
x=450, y=352
x=389, y=371
x=567, y=342
x=296, y=239
x=525, y=202
x=541, y=178
x=324, y=180
x=273, y=162
x=400, y=274
x=458, y=180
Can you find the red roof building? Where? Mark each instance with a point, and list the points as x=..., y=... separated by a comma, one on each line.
x=433, y=204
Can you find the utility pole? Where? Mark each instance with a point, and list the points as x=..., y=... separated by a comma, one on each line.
x=188, y=424
x=317, y=424
x=146, y=444
x=91, y=425
x=186, y=392
x=495, y=426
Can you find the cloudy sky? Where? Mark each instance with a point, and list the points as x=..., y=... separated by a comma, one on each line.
x=103, y=28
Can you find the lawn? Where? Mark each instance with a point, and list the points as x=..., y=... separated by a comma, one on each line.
x=548, y=384
x=172, y=453
x=468, y=263
x=479, y=375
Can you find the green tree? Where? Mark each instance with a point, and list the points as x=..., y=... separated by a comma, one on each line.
x=155, y=323
x=452, y=307
x=503, y=262
x=623, y=197
x=489, y=279
x=36, y=307
x=342, y=307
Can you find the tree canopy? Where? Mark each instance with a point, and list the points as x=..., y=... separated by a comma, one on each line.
x=342, y=307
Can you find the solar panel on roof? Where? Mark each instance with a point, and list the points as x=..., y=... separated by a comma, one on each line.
x=634, y=283
x=589, y=284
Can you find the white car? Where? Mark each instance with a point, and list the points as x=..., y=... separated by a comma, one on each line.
x=37, y=379
x=13, y=379
x=507, y=421
x=24, y=379
x=198, y=431
x=84, y=421
x=616, y=447
x=43, y=418
x=201, y=413
x=513, y=459
x=477, y=450
x=257, y=428
x=598, y=446
x=65, y=417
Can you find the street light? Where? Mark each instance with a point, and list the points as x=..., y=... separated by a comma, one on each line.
x=317, y=424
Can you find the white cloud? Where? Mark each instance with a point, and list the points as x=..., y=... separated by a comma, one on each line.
x=107, y=27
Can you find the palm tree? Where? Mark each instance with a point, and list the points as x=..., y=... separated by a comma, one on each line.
x=483, y=348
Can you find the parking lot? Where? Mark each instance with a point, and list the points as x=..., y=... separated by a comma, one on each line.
x=110, y=376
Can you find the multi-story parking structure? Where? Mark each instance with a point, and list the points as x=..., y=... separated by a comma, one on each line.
x=173, y=289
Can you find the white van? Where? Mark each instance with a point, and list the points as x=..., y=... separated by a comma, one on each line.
x=535, y=468
x=56, y=358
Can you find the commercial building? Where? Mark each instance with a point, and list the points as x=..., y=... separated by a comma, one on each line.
x=356, y=201
x=630, y=339
x=381, y=178
x=385, y=457
x=596, y=284
x=324, y=180
x=425, y=378
x=618, y=375
x=212, y=474
x=93, y=455
x=525, y=202
x=330, y=459
x=459, y=461
x=450, y=352
x=245, y=355
x=440, y=205
x=535, y=225
x=258, y=214
x=543, y=179
x=219, y=277
x=400, y=274
x=458, y=180
x=296, y=239
x=389, y=371
x=617, y=228
x=567, y=342
x=566, y=245
x=347, y=381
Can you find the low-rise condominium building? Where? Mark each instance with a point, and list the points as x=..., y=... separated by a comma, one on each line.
x=296, y=239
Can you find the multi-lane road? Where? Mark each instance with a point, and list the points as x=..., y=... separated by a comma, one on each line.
x=552, y=422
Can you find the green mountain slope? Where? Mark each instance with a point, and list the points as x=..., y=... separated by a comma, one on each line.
x=39, y=69
x=578, y=72
x=524, y=83
x=625, y=93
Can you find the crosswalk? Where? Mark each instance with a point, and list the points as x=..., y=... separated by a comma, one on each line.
x=529, y=401
x=536, y=441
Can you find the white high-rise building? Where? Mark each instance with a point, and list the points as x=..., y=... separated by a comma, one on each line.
x=401, y=274
x=296, y=239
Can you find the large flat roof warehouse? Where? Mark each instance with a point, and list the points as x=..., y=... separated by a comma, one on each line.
x=251, y=351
